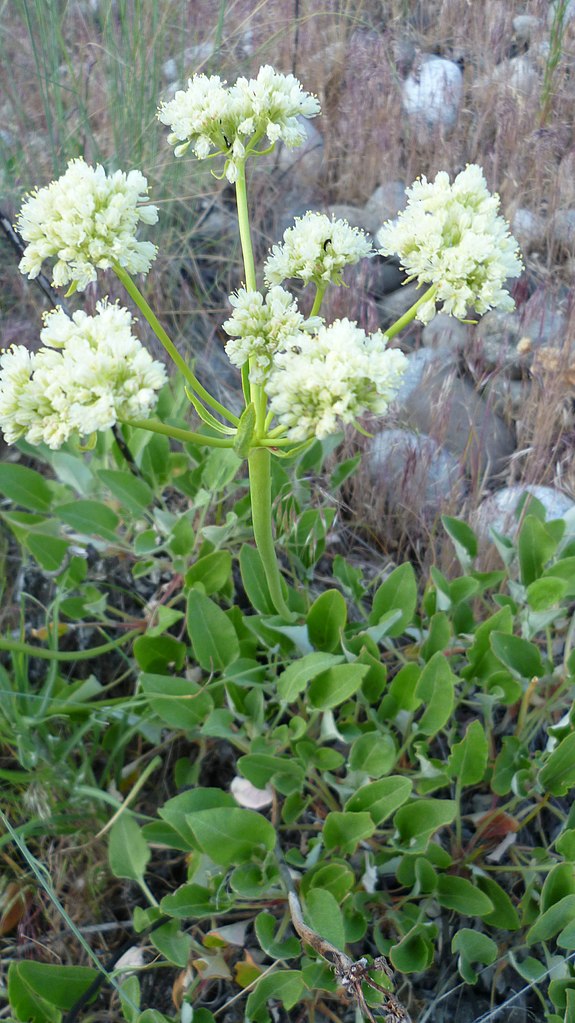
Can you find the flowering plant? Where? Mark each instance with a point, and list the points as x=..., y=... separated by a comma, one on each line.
x=301, y=378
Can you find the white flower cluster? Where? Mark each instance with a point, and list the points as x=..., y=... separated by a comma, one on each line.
x=316, y=248
x=212, y=117
x=261, y=326
x=451, y=235
x=93, y=372
x=87, y=220
x=333, y=378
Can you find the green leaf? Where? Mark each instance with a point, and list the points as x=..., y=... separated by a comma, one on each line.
x=346, y=830
x=545, y=593
x=212, y=572
x=374, y=753
x=254, y=580
x=158, y=653
x=231, y=836
x=460, y=894
x=324, y=916
x=173, y=943
x=132, y=492
x=535, y=546
x=504, y=915
x=38, y=991
x=212, y=634
x=564, y=570
x=473, y=947
x=559, y=882
x=479, y=653
x=420, y=819
x=336, y=878
x=555, y=919
x=326, y=620
x=519, y=655
x=178, y=702
x=25, y=487
x=285, y=986
x=468, y=759
x=128, y=851
x=245, y=431
x=261, y=768
x=266, y=926
x=296, y=676
x=558, y=774
x=336, y=685
x=49, y=551
x=414, y=953
x=380, y=798
x=90, y=518
x=397, y=592
x=192, y=900
x=435, y=689
x=401, y=695
x=176, y=810
x=464, y=540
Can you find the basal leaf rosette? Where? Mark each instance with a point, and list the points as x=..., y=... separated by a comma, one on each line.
x=87, y=220
x=451, y=235
x=332, y=378
x=92, y=372
x=213, y=118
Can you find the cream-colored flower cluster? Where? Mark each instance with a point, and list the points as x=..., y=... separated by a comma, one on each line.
x=316, y=248
x=213, y=118
x=333, y=378
x=92, y=372
x=262, y=325
x=452, y=236
x=87, y=220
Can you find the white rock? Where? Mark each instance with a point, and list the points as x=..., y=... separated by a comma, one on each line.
x=246, y=794
x=432, y=92
x=304, y=164
x=525, y=26
x=384, y=204
x=498, y=510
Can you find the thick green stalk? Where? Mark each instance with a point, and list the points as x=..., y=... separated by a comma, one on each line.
x=244, y=226
x=411, y=313
x=259, y=462
x=162, y=336
x=186, y=436
x=16, y=647
x=320, y=292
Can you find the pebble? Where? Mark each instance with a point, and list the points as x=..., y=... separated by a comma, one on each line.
x=445, y=331
x=432, y=92
x=413, y=470
x=497, y=511
x=384, y=204
x=304, y=164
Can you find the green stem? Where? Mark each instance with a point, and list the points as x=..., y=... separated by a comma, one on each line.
x=411, y=313
x=185, y=436
x=259, y=462
x=248, y=256
x=14, y=646
x=320, y=292
x=162, y=336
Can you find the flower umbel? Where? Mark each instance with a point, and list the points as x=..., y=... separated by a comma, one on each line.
x=213, y=118
x=93, y=372
x=87, y=220
x=451, y=235
x=261, y=326
x=316, y=248
x=331, y=378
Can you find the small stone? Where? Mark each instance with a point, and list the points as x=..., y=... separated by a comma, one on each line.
x=445, y=332
x=382, y=276
x=384, y=204
x=303, y=164
x=563, y=229
x=412, y=470
x=398, y=302
x=432, y=92
x=355, y=215
x=525, y=27
x=529, y=229
x=498, y=510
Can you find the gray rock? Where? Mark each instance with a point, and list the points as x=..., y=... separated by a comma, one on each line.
x=384, y=204
x=526, y=27
x=398, y=302
x=432, y=92
x=529, y=229
x=498, y=510
x=303, y=165
x=355, y=215
x=445, y=332
x=563, y=229
x=508, y=397
x=449, y=409
x=382, y=277
x=542, y=320
x=413, y=471
x=419, y=364
x=516, y=76
x=569, y=12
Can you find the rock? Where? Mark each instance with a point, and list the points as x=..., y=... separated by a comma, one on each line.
x=568, y=15
x=516, y=75
x=563, y=229
x=384, y=204
x=383, y=276
x=431, y=93
x=507, y=397
x=216, y=222
x=497, y=511
x=355, y=215
x=413, y=471
x=419, y=363
x=192, y=61
x=508, y=341
x=529, y=229
x=565, y=184
x=304, y=164
x=525, y=27
x=450, y=410
x=445, y=332
x=398, y=302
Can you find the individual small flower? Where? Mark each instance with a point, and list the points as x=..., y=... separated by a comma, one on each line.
x=451, y=235
x=333, y=378
x=212, y=117
x=92, y=372
x=262, y=325
x=87, y=220
x=316, y=248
